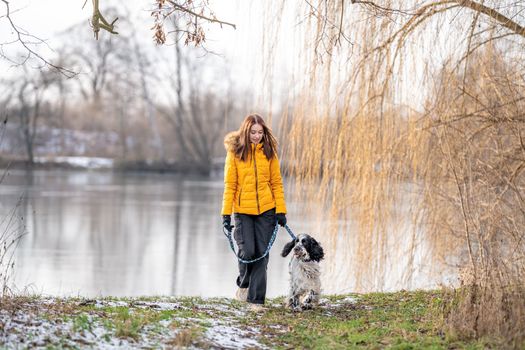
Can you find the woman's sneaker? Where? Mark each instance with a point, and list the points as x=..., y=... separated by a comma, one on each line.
x=241, y=294
x=256, y=307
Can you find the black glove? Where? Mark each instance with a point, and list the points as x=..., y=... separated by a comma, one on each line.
x=227, y=222
x=281, y=219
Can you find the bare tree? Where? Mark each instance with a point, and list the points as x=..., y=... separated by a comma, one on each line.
x=30, y=95
x=96, y=59
x=27, y=41
x=145, y=73
x=197, y=116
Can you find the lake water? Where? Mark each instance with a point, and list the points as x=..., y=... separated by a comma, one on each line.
x=104, y=233
x=92, y=233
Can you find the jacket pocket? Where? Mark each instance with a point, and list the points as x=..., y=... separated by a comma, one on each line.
x=240, y=193
x=271, y=192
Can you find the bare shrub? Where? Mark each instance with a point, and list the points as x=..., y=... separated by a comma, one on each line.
x=184, y=338
x=486, y=308
x=478, y=124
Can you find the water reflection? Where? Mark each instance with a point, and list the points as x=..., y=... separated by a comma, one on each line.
x=92, y=233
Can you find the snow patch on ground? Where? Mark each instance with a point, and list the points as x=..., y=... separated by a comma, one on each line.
x=104, y=303
x=23, y=330
x=41, y=323
x=161, y=306
x=225, y=309
x=350, y=300
x=80, y=162
x=230, y=337
x=327, y=304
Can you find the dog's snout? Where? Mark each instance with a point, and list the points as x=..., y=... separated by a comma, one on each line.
x=297, y=249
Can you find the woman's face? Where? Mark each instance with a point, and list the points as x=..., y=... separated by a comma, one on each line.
x=256, y=133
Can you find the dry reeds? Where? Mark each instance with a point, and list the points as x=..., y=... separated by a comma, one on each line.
x=12, y=228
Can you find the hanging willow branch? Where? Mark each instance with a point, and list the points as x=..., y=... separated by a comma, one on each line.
x=472, y=5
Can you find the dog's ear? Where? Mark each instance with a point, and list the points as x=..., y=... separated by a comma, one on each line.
x=316, y=251
x=288, y=248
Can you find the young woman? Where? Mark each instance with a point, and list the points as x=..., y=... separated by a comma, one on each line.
x=253, y=190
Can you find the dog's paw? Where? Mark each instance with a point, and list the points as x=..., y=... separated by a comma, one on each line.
x=293, y=303
x=306, y=306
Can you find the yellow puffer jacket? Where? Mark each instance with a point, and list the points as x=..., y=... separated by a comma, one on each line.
x=254, y=186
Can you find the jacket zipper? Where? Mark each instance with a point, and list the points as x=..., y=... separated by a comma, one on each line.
x=256, y=182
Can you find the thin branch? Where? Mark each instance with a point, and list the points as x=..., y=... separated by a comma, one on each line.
x=475, y=6
x=410, y=26
x=66, y=72
x=481, y=44
x=503, y=20
x=191, y=13
x=326, y=20
x=196, y=15
x=341, y=21
x=388, y=10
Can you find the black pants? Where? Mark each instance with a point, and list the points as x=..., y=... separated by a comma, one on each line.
x=252, y=234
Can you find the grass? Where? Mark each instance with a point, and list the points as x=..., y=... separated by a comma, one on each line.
x=402, y=320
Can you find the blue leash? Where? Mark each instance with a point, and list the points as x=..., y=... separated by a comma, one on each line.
x=228, y=234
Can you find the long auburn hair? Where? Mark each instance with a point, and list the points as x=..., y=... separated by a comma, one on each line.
x=243, y=147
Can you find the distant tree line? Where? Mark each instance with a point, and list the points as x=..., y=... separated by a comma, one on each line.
x=143, y=105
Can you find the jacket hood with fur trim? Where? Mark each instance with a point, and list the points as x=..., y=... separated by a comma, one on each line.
x=231, y=141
